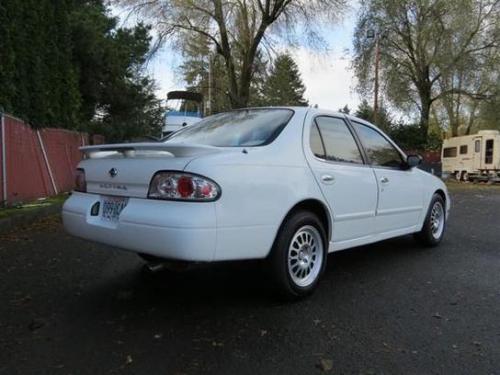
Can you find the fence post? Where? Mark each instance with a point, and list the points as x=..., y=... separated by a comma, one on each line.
x=4, y=161
x=46, y=159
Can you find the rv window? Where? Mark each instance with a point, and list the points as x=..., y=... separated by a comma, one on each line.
x=463, y=149
x=488, y=154
x=449, y=152
x=477, y=146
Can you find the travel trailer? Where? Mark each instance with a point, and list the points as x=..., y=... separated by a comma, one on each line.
x=473, y=157
x=184, y=108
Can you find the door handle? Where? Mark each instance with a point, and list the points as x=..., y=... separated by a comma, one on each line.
x=327, y=179
x=384, y=180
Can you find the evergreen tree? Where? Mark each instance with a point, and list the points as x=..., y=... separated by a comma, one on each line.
x=198, y=60
x=37, y=79
x=284, y=85
x=65, y=63
x=345, y=109
x=365, y=112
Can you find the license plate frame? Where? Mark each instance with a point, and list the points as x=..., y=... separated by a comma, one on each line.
x=112, y=207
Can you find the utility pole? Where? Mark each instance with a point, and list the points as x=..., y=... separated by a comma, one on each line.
x=377, y=63
x=372, y=34
x=210, y=84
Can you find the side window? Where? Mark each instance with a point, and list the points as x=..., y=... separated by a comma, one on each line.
x=316, y=143
x=463, y=149
x=449, y=152
x=488, y=152
x=477, y=146
x=337, y=140
x=380, y=151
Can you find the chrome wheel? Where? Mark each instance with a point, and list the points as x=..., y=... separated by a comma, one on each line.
x=305, y=256
x=437, y=220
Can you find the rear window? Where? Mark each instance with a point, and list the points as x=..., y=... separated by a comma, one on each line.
x=249, y=127
x=449, y=152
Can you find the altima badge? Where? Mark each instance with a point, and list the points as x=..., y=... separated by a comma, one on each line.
x=113, y=172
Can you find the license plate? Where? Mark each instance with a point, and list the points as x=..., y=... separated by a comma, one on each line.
x=112, y=207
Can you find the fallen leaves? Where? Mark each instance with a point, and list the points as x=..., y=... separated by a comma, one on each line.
x=325, y=365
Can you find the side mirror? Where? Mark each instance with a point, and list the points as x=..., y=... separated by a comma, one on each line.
x=413, y=160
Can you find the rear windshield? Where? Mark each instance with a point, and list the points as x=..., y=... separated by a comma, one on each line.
x=249, y=127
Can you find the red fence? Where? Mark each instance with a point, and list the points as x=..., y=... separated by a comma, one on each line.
x=36, y=163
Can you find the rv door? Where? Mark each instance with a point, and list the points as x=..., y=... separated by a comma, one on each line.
x=476, y=155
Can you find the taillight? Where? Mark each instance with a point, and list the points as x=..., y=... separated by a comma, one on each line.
x=80, y=182
x=183, y=186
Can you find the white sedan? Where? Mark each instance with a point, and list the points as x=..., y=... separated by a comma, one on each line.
x=288, y=185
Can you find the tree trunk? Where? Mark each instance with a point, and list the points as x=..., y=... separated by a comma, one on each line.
x=424, y=86
x=472, y=118
x=425, y=111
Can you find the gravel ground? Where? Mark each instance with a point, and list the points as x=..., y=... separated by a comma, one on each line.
x=72, y=307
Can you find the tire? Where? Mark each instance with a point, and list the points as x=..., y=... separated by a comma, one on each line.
x=458, y=176
x=435, y=223
x=465, y=176
x=299, y=255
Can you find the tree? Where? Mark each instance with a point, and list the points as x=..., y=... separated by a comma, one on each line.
x=238, y=29
x=66, y=63
x=38, y=82
x=345, y=109
x=133, y=112
x=407, y=135
x=489, y=112
x=204, y=72
x=365, y=112
x=283, y=85
x=422, y=42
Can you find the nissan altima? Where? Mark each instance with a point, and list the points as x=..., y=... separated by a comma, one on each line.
x=288, y=185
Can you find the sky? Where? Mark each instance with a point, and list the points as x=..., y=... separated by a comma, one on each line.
x=329, y=81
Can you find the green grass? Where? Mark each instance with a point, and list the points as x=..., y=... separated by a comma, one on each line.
x=480, y=186
x=32, y=205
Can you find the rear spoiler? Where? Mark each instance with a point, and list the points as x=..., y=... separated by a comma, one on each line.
x=160, y=148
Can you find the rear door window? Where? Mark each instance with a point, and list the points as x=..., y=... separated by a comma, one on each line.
x=336, y=139
x=316, y=142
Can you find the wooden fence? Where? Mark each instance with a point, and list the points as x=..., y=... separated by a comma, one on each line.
x=37, y=163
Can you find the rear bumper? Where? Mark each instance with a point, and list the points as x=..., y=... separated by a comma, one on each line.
x=168, y=229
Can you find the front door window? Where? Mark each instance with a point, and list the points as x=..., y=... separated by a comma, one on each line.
x=380, y=152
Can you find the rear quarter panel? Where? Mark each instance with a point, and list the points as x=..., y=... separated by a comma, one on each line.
x=259, y=187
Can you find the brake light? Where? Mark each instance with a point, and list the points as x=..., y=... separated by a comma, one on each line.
x=183, y=186
x=80, y=181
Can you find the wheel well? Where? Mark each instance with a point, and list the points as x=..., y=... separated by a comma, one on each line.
x=441, y=194
x=318, y=208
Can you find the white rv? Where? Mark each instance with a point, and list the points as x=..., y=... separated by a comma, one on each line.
x=473, y=157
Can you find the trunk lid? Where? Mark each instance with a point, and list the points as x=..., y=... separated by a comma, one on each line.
x=127, y=169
